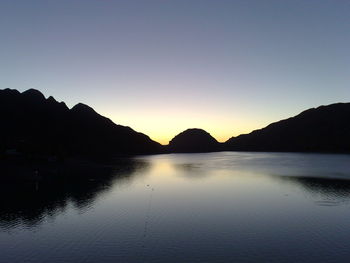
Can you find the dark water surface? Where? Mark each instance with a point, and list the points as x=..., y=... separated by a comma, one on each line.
x=215, y=207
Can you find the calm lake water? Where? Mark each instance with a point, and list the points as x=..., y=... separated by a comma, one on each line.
x=213, y=207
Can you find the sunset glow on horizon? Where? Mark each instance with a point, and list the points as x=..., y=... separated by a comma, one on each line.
x=161, y=67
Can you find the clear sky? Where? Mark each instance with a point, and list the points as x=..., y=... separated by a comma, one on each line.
x=162, y=66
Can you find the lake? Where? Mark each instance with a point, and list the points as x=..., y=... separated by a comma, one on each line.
x=211, y=207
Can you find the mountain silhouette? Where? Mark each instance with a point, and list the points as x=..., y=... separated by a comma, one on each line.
x=34, y=125
x=193, y=140
x=322, y=129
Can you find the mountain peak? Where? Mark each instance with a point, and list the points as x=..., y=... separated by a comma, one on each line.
x=10, y=91
x=195, y=131
x=83, y=108
x=40, y=126
x=51, y=99
x=193, y=140
x=34, y=94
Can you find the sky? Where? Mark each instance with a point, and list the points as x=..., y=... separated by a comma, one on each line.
x=162, y=66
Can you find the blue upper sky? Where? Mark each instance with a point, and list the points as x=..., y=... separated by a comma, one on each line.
x=161, y=66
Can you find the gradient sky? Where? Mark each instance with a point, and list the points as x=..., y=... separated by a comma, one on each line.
x=162, y=66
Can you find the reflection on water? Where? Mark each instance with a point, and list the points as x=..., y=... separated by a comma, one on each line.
x=324, y=191
x=213, y=207
x=29, y=203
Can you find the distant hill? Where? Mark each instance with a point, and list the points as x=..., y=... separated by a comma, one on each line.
x=193, y=140
x=322, y=129
x=32, y=124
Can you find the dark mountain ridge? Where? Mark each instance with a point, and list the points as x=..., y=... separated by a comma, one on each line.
x=32, y=124
x=321, y=129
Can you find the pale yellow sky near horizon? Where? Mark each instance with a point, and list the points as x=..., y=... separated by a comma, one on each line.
x=163, y=128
